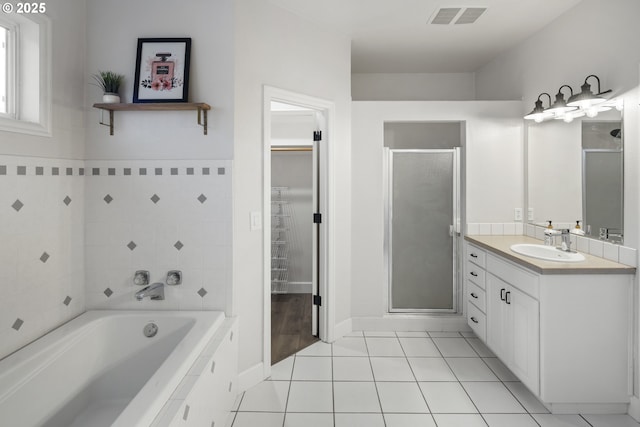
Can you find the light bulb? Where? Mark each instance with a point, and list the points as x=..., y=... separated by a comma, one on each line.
x=568, y=118
x=538, y=119
x=592, y=112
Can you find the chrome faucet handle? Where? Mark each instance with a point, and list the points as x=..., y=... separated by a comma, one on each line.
x=141, y=278
x=174, y=277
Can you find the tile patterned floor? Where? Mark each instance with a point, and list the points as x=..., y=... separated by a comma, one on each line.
x=404, y=379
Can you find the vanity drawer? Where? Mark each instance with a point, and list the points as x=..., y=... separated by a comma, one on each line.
x=477, y=321
x=475, y=274
x=476, y=296
x=476, y=255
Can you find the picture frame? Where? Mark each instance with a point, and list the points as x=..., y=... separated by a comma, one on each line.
x=162, y=70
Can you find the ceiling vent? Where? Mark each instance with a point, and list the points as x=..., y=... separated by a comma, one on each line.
x=447, y=15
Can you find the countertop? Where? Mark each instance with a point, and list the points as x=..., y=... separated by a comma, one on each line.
x=500, y=245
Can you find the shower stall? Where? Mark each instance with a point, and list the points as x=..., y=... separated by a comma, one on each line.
x=422, y=228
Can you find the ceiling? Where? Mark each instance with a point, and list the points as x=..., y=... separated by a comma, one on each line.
x=393, y=36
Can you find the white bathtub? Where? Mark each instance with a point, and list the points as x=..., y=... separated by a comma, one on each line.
x=100, y=369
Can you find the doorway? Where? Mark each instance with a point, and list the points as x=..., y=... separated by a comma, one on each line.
x=296, y=137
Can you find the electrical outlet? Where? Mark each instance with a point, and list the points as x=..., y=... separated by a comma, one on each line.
x=256, y=221
x=530, y=214
x=517, y=214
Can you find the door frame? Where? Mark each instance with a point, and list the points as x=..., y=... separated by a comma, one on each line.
x=326, y=274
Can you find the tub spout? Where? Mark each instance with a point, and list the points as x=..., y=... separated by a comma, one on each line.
x=154, y=292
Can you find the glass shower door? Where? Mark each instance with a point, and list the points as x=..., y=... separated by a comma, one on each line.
x=422, y=227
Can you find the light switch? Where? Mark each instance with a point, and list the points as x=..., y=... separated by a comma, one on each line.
x=256, y=221
x=530, y=214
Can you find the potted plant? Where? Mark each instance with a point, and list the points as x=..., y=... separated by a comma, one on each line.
x=110, y=83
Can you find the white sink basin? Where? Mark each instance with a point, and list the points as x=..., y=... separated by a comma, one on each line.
x=547, y=253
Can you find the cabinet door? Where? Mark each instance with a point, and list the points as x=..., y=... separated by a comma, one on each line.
x=524, y=334
x=497, y=322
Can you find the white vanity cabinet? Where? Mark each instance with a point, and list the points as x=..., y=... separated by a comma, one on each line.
x=564, y=334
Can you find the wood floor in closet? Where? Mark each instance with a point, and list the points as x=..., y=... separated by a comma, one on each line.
x=290, y=325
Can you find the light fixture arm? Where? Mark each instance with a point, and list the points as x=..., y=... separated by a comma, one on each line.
x=570, y=89
x=598, y=80
x=548, y=96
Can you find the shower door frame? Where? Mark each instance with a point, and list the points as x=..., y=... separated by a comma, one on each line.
x=454, y=230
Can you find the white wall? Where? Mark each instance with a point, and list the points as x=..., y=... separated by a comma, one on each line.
x=162, y=135
x=40, y=173
x=494, y=184
x=277, y=48
x=161, y=156
x=565, y=52
x=412, y=86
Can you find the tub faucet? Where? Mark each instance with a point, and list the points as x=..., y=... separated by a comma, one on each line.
x=154, y=292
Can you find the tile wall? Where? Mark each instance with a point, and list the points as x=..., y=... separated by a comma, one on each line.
x=158, y=216
x=42, y=247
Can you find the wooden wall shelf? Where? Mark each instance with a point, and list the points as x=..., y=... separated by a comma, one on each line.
x=200, y=107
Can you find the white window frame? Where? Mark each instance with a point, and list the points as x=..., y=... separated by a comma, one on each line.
x=29, y=107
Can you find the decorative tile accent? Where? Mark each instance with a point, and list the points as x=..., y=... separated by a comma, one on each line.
x=221, y=171
x=132, y=245
x=111, y=171
x=155, y=198
x=67, y=300
x=142, y=171
x=95, y=171
x=202, y=292
x=55, y=171
x=158, y=171
x=69, y=171
x=178, y=245
x=67, y=200
x=108, y=199
x=202, y=198
x=44, y=257
x=18, y=324
x=39, y=170
x=127, y=171
x=3, y=170
x=206, y=171
x=108, y=292
x=189, y=171
x=174, y=171
x=17, y=205
x=22, y=170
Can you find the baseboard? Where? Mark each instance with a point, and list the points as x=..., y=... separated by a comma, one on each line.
x=588, y=408
x=634, y=408
x=251, y=377
x=402, y=322
x=343, y=328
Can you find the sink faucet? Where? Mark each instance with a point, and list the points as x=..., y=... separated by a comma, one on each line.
x=566, y=240
x=154, y=292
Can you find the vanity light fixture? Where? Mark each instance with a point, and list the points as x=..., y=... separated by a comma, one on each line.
x=539, y=113
x=560, y=106
x=587, y=98
x=570, y=115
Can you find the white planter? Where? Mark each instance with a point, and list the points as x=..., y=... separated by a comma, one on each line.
x=110, y=98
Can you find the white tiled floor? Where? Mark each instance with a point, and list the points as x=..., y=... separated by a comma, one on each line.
x=404, y=379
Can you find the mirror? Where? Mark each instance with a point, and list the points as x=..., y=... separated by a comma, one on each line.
x=575, y=173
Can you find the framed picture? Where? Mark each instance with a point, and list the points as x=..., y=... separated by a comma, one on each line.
x=162, y=70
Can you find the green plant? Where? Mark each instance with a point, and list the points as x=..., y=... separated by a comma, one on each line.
x=109, y=81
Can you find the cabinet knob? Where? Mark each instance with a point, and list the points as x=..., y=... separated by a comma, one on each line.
x=473, y=319
x=474, y=295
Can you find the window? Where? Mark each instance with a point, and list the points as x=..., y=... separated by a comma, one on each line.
x=4, y=72
x=25, y=74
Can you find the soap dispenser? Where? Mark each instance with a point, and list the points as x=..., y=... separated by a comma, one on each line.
x=550, y=226
x=577, y=229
